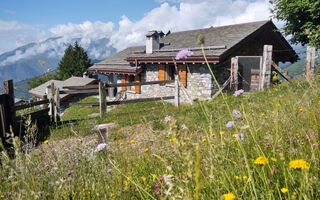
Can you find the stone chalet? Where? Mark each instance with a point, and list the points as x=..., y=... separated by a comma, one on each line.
x=156, y=60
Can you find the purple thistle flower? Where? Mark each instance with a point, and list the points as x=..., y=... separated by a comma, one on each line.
x=69, y=173
x=238, y=92
x=156, y=185
x=236, y=113
x=230, y=124
x=109, y=170
x=313, y=146
x=159, y=192
x=183, y=54
x=100, y=147
x=293, y=140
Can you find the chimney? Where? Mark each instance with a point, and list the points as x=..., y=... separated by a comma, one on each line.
x=153, y=41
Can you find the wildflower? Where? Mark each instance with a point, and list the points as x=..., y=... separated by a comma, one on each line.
x=221, y=132
x=229, y=196
x=319, y=102
x=213, y=134
x=313, y=146
x=174, y=139
x=238, y=92
x=212, y=144
x=236, y=177
x=249, y=180
x=156, y=185
x=266, y=117
x=293, y=140
x=298, y=164
x=204, y=139
x=278, y=104
x=2, y=196
x=236, y=113
x=183, y=54
x=46, y=142
x=262, y=114
x=159, y=192
x=131, y=141
x=154, y=176
x=146, y=150
x=167, y=119
x=284, y=190
x=300, y=109
x=261, y=160
x=121, y=143
x=273, y=112
x=245, y=177
x=69, y=173
x=100, y=147
x=239, y=136
x=109, y=170
x=230, y=124
x=274, y=159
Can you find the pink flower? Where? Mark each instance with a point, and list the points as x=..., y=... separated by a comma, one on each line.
x=236, y=113
x=238, y=92
x=100, y=147
x=183, y=54
x=159, y=192
x=156, y=185
x=230, y=124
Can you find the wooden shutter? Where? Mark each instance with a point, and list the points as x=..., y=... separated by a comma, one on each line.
x=161, y=73
x=123, y=80
x=137, y=87
x=183, y=75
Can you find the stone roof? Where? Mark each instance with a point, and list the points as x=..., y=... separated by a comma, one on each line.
x=40, y=91
x=224, y=38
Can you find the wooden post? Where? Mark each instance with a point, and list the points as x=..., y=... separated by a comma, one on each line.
x=52, y=102
x=265, y=72
x=9, y=89
x=177, y=95
x=57, y=104
x=234, y=74
x=310, y=61
x=102, y=101
x=44, y=98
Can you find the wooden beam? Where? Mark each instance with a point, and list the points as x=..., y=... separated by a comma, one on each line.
x=265, y=72
x=310, y=60
x=32, y=104
x=222, y=88
x=9, y=90
x=282, y=73
x=57, y=105
x=102, y=99
x=234, y=74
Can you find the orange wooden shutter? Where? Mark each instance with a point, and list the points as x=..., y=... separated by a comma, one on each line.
x=161, y=73
x=123, y=80
x=183, y=75
x=137, y=87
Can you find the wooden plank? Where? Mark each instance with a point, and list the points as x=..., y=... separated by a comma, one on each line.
x=234, y=74
x=265, y=76
x=123, y=81
x=282, y=73
x=177, y=91
x=137, y=88
x=9, y=89
x=183, y=75
x=52, y=102
x=141, y=83
x=32, y=104
x=102, y=99
x=57, y=105
x=35, y=114
x=89, y=91
x=85, y=87
x=222, y=88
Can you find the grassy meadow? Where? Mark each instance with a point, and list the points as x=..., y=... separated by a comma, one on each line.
x=263, y=145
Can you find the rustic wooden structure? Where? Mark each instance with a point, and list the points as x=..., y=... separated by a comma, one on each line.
x=310, y=61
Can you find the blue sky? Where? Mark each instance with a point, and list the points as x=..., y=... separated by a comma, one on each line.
x=123, y=22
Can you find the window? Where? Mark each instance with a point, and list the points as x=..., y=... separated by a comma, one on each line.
x=170, y=71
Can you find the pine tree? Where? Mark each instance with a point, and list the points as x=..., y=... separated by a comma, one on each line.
x=74, y=62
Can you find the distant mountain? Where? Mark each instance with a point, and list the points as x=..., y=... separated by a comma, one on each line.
x=296, y=69
x=35, y=59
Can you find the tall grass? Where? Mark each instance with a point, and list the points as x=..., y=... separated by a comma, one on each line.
x=169, y=153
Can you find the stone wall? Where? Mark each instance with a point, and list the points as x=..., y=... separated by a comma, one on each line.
x=200, y=84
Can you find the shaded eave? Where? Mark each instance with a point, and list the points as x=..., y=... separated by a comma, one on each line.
x=115, y=71
x=170, y=59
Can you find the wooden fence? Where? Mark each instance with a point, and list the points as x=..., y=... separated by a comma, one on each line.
x=12, y=118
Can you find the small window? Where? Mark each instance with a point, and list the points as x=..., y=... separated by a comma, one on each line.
x=170, y=71
x=130, y=79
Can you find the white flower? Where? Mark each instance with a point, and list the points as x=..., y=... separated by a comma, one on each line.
x=100, y=147
x=167, y=119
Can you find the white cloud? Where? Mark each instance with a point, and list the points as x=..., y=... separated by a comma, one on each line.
x=191, y=14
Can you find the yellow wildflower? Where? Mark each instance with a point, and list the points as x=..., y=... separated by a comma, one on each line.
x=121, y=143
x=222, y=143
x=274, y=159
x=249, y=180
x=236, y=177
x=131, y=141
x=298, y=164
x=2, y=196
x=261, y=160
x=221, y=132
x=143, y=178
x=212, y=144
x=284, y=190
x=300, y=109
x=204, y=139
x=278, y=104
x=46, y=142
x=273, y=112
x=266, y=117
x=111, y=194
x=229, y=196
x=174, y=139
x=167, y=136
x=213, y=134
x=154, y=176
x=319, y=102
x=245, y=177
x=262, y=114
x=146, y=150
